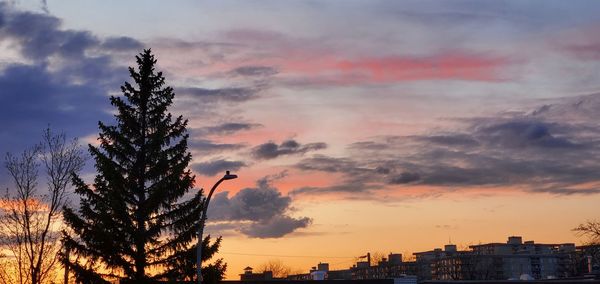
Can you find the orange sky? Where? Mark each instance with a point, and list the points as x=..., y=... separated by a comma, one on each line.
x=346, y=229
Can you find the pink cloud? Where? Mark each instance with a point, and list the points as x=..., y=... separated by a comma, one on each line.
x=587, y=51
x=451, y=66
x=306, y=62
x=582, y=43
x=327, y=69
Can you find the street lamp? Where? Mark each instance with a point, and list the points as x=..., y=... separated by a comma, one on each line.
x=227, y=176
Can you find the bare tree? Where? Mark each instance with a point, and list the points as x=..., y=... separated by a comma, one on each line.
x=377, y=257
x=589, y=229
x=276, y=266
x=30, y=218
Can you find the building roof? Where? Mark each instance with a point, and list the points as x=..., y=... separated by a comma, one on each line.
x=522, y=244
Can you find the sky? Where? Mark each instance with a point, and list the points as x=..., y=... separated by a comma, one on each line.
x=354, y=126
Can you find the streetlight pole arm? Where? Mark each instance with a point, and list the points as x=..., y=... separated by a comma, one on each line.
x=207, y=199
x=205, y=203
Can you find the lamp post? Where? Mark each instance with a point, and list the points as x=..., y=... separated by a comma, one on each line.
x=227, y=176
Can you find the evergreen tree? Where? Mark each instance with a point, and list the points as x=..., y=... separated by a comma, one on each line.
x=135, y=222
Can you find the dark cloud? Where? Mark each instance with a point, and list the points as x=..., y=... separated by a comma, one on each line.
x=554, y=150
x=328, y=164
x=369, y=145
x=250, y=204
x=228, y=128
x=450, y=140
x=271, y=150
x=40, y=36
x=275, y=227
x=405, y=177
x=122, y=43
x=68, y=92
x=219, y=95
x=32, y=98
x=254, y=71
x=268, y=179
x=358, y=178
x=522, y=133
x=568, y=191
x=214, y=167
x=261, y=212
x=60, y=79
x=222, y=229
x=210, y=147
x=347, y=187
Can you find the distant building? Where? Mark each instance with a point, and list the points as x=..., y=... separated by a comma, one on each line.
x=587, y=260
x=389, y=268
x=512, y=260
x=248, y=275
x=426, y=262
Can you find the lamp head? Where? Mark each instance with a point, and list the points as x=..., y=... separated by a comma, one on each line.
x=229, y=176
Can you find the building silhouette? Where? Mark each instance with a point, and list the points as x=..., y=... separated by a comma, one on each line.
x=248, y=275
x=512, y=260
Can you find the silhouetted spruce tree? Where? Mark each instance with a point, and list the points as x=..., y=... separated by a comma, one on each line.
x=134, y=222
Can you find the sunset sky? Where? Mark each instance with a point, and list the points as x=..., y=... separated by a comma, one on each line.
x=354, y=126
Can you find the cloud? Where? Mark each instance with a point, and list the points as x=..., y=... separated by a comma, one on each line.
x=357, y=178
x=250, y=204
x=260, y=212
x=219, y=95
x=271, y=150
x=253, y=71
x=584, y=51
x=228, y=128
x=54, y=77
x=315, y=63
x=569, y=191
x=210, y=147
x=275, y=227
x=268, y=179
x=541, y=151
x=59, y=77
x=522, y=133
x=405, y=177
x=328, y=164
x=444, y=66
x=447, y=139
x=331, y=70
x=216, y=166
x=122, y=43
x=32, y=98
x=40, y=36
x=347, y=187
